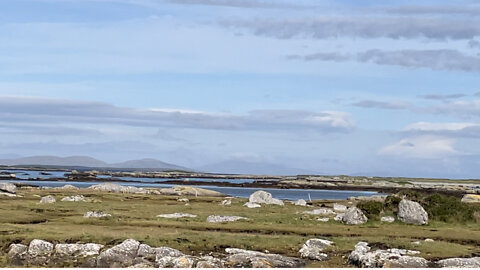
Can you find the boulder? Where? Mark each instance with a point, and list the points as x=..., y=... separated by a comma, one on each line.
x=48, y=199
x=339, y=208
x=40, y=248
x=16, y=250
x=471, y=198
x=176, y=262
x=387, y=219
x=313, y=248
x=240, y=258
x=209, y=262
x=8, y=188
x=301, y=202
x=363, y=257
x=410, y=212
x=226, y=202
x=263, y=197
x=339, y=217
x=190, y=191
x=68, y=187
x=76, y=198
x=95, y=214
x=323, y=219
x=78, y=250
x=320, y=212
x=354, y=216
x=222, y=219
x=7, y=194
x=459, y=263
x=119, y=256
x=145, y=251
x=177, y=215
x=111, y=187
x=252, y=205
x=183, y=200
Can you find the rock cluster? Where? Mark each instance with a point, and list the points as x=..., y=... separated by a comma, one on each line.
x=410, y=212
x=133, y=254
x=263, y=197
x=76, y=198
x=111, y=187
x=222, y=219
x=364, y=257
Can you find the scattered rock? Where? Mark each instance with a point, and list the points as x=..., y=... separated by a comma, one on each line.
x=354, y=216
x=428, y=240
x=190, y=191
x=339, y=208
x=40, y=248
x=263, y=197
x=209, y=262
x=78, y=250
x=410, y=212
x=339, y=217
x=323, y=219
x=8, y=188
x=460, y=263
x=48, y=199
x=313, y=248
x=95, y=214
x=119, y=256
x=252, y=205
x=111, y=187
x=7, y=194
x=76, y=198
x=363, y=257
x=183, y=200
x=177, y=215
x=221, y=219
x=226, y=202
x=375, y=198
x=320, y=212
x=16, y=252
x=301, y=202
x=388, y=219
x=240, y=258
x=68, y=187
x=468, y=198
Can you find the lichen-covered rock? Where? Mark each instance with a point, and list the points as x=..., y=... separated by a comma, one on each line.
x=240, y=258
x=320, y=212
x=387, y=219
x=48, y=199
x=263, y=197
x=119, y=256
x=76, y=198
x=460, y=263
x=177, y=215
x=410, y=212
x=363, y=257
x=40, y=248
x=78, y=250
x=221, y=219
x=313, y=248
x=339, y=208
x=354, y=216
x=209, y=262
x=95, y=214
x=468, y=198
x=252, y=205
x=176, y=262
x=8, y=187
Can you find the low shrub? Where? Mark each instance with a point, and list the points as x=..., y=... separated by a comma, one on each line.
x=448, y=209
x=371, y=209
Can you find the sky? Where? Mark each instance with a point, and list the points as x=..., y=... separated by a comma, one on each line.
x=388, y=88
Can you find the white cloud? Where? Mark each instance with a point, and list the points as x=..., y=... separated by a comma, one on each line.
x=426, y=126
x=424, y=147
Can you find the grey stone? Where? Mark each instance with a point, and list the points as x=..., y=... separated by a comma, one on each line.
x=388, y=219
x=95, y=214
x=263, y=197
x=177, y=215
x=468, y=198
x=176, y=262
x=320, y=212
x=252, y=205
x=78, y=250
x=253, y=259
x=354, y=216
x=226, y=202
x=209, y=262
x=48, y=199
x=460, y=263
x=301, y=202
x=40, y=248
x=221, y=219
x=363, y=257
x=76, y=198
x=339, y=217
x=313, y=248
x=410, y=212
x=17, y=250
x=111, y=187
x=119, y=256
x=8, y=187
x=339, y=208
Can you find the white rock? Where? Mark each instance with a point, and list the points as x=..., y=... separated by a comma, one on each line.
x=222, y=219
x=226, y=202
x=354, y=216
x=177, y=215
x=320, y=212
x=252, y=205
x=40, y=248
x=410, y=212
x=78, y=250
x=8, y=187
x=48, y=199
x=94, y=214
x=339, y=208
x=263, y=197
x=313, y=248
x=301, y=202
x=76, y=198
x=388, y=219
x=323, y=219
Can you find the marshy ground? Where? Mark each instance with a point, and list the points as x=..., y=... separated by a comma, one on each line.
x=278, y=229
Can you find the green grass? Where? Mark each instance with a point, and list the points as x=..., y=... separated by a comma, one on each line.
x=276, y=229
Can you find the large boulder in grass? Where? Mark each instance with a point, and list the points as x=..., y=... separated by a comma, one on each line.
x=411, y=212
x=8, y=187
x=354, y=216
x=313, y=249
x=263, y=197
x=48, y=199
x=40, y=248
x=119, y=256
x=240, y=258
x=363, y=256
x=77, y=250
x=471, y=198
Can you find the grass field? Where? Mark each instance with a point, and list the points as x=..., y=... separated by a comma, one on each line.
x=277, y=229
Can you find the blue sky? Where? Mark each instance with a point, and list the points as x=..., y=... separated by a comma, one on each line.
x=334, y=87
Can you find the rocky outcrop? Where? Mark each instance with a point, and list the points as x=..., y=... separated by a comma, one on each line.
x=8, y=188
x=363, y=257
x=122, y=255
x=76, y=198
x=222, y=219
x=339, y=208
x=177, y=215
x=48, y=199
x=40, y=248
x=240, y=258
x=263, y=197
x=111, y=187
x=95, y=214
x=459, y=263
x=313, y=248
x=471, y=198
x=387, y=219
x=354, y=216
x=190, y=191
x=320, y=212
x=68, y=187
x=410, y=212
x=252, y=205
x=78, y=250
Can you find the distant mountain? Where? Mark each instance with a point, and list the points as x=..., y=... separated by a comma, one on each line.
x=85, y=161
x=235, y=166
